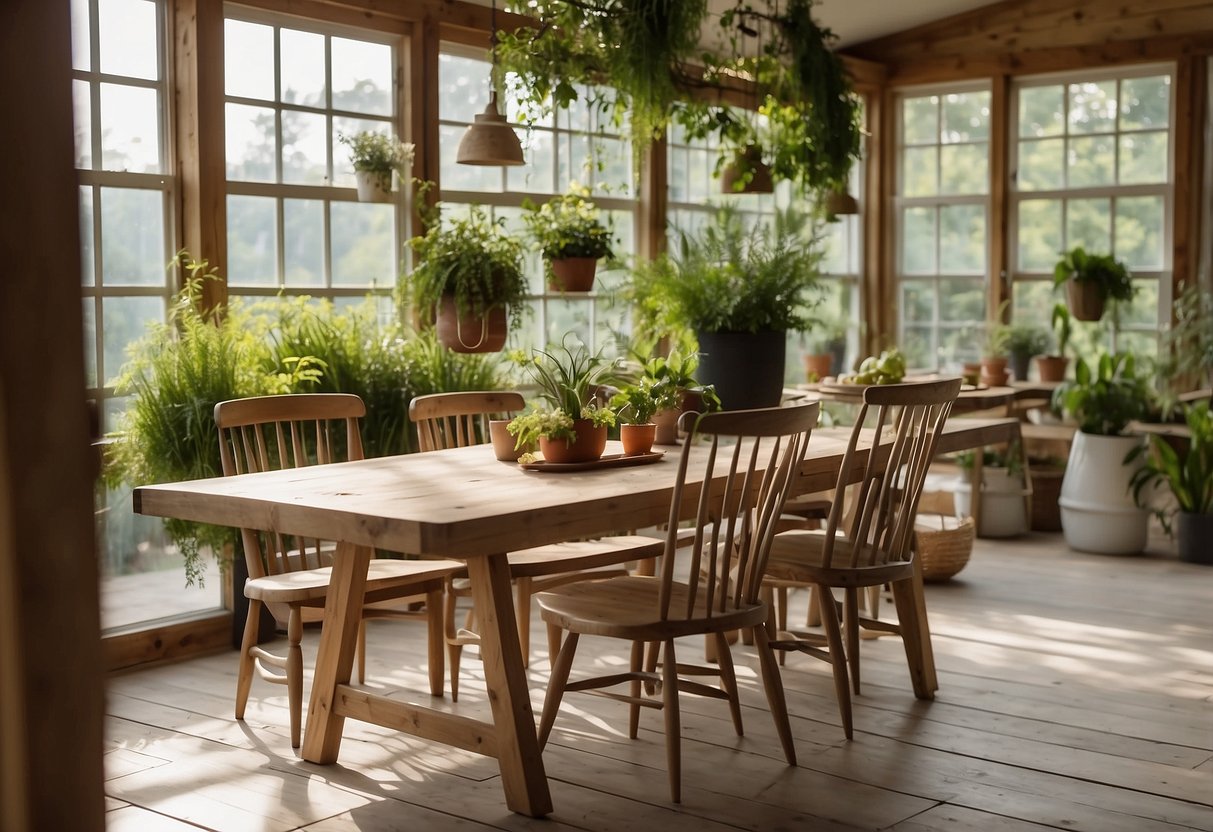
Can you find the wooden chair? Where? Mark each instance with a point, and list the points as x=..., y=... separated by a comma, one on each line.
x=728, y=551
x=446, y=420
x=875, y=548
x=289, y=575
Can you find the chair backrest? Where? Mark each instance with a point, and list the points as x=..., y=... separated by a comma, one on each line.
x=760, y=456
x=454, y=420
x=904, y=433
x=267, y=433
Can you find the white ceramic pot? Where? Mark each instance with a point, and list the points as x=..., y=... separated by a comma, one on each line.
x=1097, y=511
x=373, y=186
x=1002, y=503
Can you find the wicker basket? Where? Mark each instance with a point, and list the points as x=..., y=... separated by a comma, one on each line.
x=943, y=544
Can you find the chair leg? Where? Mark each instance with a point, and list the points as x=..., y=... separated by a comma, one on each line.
x=553, y=645
x=454, y=650
x=636, y=688
x=522, y=613
x=728, y=681
x=813, y=616
x=360, y=652
x=673, y=723
x=653, y=652
x=917, y=643
x=556, y=683
x=772, y=683
x=434, y=631
x=850, y=611
x=244, y=676
x=294, y=673
x=838, y=657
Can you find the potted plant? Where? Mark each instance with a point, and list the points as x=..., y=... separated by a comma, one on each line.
x=1189, y=476
x=1023, y=342
x=571, y=235
x=827, y=344
x=376, y=156
x=1091, y=280
x=993, y=358
x=1098, y=513
x=570, y=426
x=1187, y=346
x=740, y=290
x=675, y=373
x=1053, y=367
x=1003, y=490
x=470, y=277
x=635, y=406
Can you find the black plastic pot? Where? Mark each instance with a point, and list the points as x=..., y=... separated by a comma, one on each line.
x=1194, y=533
x=745, y=367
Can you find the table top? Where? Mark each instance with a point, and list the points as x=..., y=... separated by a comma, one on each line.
x=971, y=397
x=463, y=502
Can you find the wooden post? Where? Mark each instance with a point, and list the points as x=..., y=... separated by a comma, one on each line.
x=1000, y=165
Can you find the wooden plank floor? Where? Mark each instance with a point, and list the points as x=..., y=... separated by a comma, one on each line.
x=1076, y=693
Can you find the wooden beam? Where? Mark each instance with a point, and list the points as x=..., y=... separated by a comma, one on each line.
x=879, y=285
x=168, y=642
x=51, y=696
x=998, y=221
x=652, y=201
x=1191, y=96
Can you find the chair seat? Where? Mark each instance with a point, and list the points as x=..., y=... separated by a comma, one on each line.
x=582, y=554
x=797, y=556
x=626, y=607
x=383, y=574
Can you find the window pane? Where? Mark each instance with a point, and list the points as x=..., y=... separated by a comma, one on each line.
x=1093, y=107
x=1091, y=162
x=966, y=117
x=364, y=244
x=1142, y=311
x=539, y=172
x=1039, y=234
x=343, y=167
x=960, y=344
x=81, y=45
x=89, y=309
x=127, y=31
x=130, y=129
x=962, y=239
x=250, y=143
x=459, y=177
x=1143, y=158
x=918, y=302
x=132, y=237
x=916, y=346
x=82, y=112
x=252, y=255
x=1032, y=302
x=1041, y=111
x=304, y=148
x=302, y=59
x=1145, y=103
x=303, y=241
x=1138, y=343
x=963, y=169
x=463, y=87
x=1089, y=224
x=124, y=320
x=962, y=299
x=1041, y=164
x=918, y=171
x=567, y=317
x=1139, y=231
x=918, y=241
x=362, y=76
x=87, y=277
x=248, y=60
x=920, y=120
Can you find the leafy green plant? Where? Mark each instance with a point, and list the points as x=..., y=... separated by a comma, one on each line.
x=635, y=404
x=997, y=337
x=473, y=260
x=728, y=278
x=1061, y=327
x=568, y=379
x=1011, y=458
x=379, y=153
x=568, y=226
x=1026, y=340
x=675, y=373
x=1106, y=399
x=1110, y=275
x=1189, y=478
x=1187, y=346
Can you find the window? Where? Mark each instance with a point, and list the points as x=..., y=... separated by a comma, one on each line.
x=294, y=223
x=1092, y=168
x=568, y=147
x=941, y=207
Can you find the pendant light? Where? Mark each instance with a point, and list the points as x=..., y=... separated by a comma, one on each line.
x=749, y=157
x=490, y=140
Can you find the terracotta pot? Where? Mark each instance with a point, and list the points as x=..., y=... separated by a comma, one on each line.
x=573, y=274
x=994, y=371
x=972, y=372
x=817, y=367
x=1084, y=300
x=471, y=333
x=589, y=445
x=1052, y=367
x=637, y=439
x=666, y=424
x=373, y=186
x=503, y=442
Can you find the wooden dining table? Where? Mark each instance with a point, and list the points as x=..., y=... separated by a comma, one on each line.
x=463, y=504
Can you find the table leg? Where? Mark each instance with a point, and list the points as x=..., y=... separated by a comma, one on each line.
x=338, y=638
x=975, y=487
x=518, y=752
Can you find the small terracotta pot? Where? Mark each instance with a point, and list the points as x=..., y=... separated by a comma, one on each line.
x=1084, y=300
x=589, y=445
x=817, y=367
x=503, y=442
x=1052, y=367
x=972, y=372
x=637, y=439
x=666, y=424
x=471, y=333
x=573, y=274
x=994, y=371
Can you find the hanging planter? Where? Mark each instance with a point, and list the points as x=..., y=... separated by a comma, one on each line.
x=1090, y=281
x=473, y=332
x=377, y=158
x=747, y=173
x=573, y=274
x=569, y=231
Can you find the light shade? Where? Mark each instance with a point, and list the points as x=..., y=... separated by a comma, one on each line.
x=748, y=158
x=841, y=202
x=490, y=140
